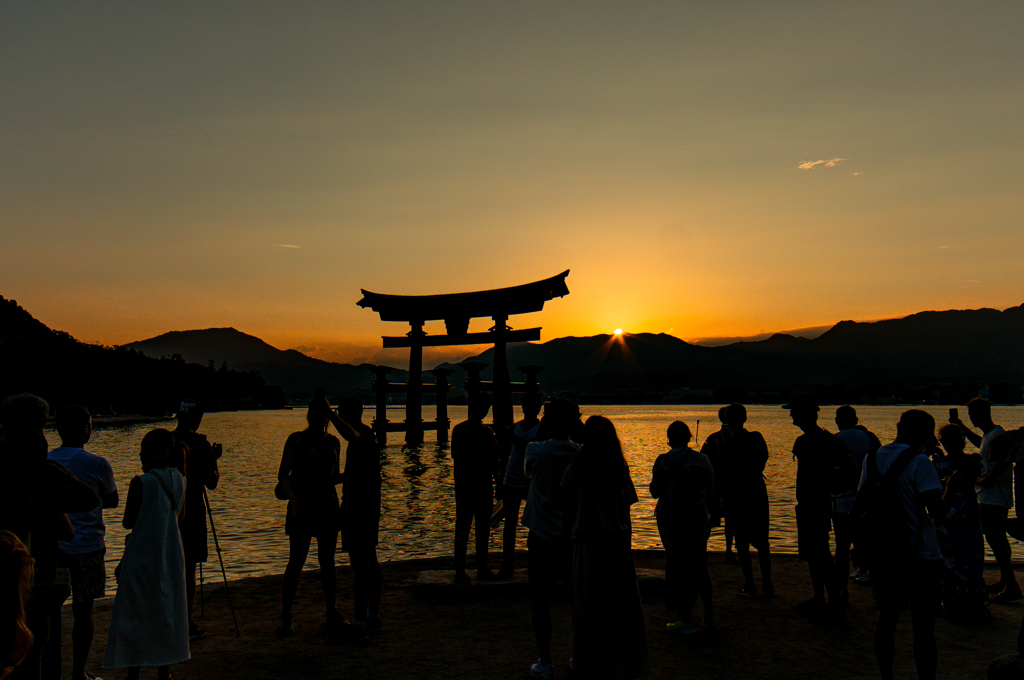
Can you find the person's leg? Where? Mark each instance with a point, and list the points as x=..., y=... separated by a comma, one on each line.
x=994, y=528
x=190, y=587
x=727, y=529
x=82, y=633
x=541, y=566
x=688, y=586
x=482, y=518
x=764, y=559
x=705, y=592
x=163, y=673
x=843, y=538
x=133, y=673
x=926, y=653
x=885, y=640
x=463, y=523
x=326, y=546
x=298, y=549
x=743, y=554
x=513, y=499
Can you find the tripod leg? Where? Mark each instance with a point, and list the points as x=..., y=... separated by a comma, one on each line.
x=216, y=543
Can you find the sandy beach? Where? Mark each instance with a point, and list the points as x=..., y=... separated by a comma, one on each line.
x=436, y=631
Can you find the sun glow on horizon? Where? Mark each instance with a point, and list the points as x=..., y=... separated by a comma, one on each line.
x=618, y=331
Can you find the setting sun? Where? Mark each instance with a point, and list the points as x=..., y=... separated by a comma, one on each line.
x=618, y=331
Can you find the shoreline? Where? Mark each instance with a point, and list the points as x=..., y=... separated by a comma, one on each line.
x=484, y=631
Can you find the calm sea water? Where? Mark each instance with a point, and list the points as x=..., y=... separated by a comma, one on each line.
x=418, y=505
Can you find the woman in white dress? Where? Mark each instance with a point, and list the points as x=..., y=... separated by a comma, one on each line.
x=149, y=624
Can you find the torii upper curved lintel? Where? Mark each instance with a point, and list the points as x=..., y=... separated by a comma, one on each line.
x=529, y=297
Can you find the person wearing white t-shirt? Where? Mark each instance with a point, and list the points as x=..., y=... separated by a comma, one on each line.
x=84, y=554
x=995, y=495
x=916, y=582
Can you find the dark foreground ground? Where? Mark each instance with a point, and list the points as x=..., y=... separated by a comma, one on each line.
x=436, y=631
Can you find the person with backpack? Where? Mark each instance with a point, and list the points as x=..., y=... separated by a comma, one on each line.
x=899, y=493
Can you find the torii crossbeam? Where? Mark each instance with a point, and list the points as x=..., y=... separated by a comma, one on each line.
x=456, y=309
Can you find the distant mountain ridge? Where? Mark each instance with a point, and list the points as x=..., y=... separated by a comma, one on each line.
x=294, y=372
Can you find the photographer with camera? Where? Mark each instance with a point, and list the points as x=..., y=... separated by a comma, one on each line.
x=200, y=469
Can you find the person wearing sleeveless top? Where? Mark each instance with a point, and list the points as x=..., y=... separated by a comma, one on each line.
x=309, y=473
x=149, y=624
x=516, y=484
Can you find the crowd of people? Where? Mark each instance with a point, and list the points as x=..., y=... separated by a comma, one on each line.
x=54, y=541
x=910, y=517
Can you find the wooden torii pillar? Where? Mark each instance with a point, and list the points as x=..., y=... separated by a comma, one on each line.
x=456, y=310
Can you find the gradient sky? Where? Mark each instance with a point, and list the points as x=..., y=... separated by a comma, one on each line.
x=703, y=168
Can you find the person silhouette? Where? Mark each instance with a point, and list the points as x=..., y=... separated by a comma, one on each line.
x=609, y=638
x=475, y=463
x=201, y=471
x=360, y=512
x=995, y=495
x=746, y=455
x=713, y=449
x=910, y=575
x=307, y=477
x=681, y=481
x=516, y=484
x=818, y=454
x=859, y=444
x=84, y=554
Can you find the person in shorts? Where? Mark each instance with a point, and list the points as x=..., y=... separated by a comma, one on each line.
x=360, y=513
x=84, y=554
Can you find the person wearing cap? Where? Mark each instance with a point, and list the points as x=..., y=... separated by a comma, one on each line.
x=820, y=456
x=915, y=580
x=201, y=473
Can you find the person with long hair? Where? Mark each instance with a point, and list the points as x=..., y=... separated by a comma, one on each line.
x=16, y=573
x=149, y=624
x=307, y=477
x=609, y=636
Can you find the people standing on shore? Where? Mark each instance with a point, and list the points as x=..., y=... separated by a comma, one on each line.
x=995, y=495
x=746, y=505
x=959, y=531
x=360, y=514
x=546, y=558
x=609, y=638
x=149, y=623
x=910, y=575
x=475, y=463
x=516, y=484
x=35, y=494
x=859, y=444
x=84, y=554
x=201, y=471
x=681, y=481
x=819, y=455
x=307, y=477
x=713, y=449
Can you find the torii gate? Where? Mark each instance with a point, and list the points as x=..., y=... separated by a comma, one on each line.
x=456, y=309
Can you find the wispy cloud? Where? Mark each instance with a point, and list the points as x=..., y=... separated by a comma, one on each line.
x=856, y=174
x=283, y=245
x=831, y=163
x=945, y=247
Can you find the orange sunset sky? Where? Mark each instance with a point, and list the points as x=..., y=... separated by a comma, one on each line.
x=704, y=169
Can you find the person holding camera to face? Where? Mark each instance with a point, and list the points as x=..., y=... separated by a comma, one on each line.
x=200, y=470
